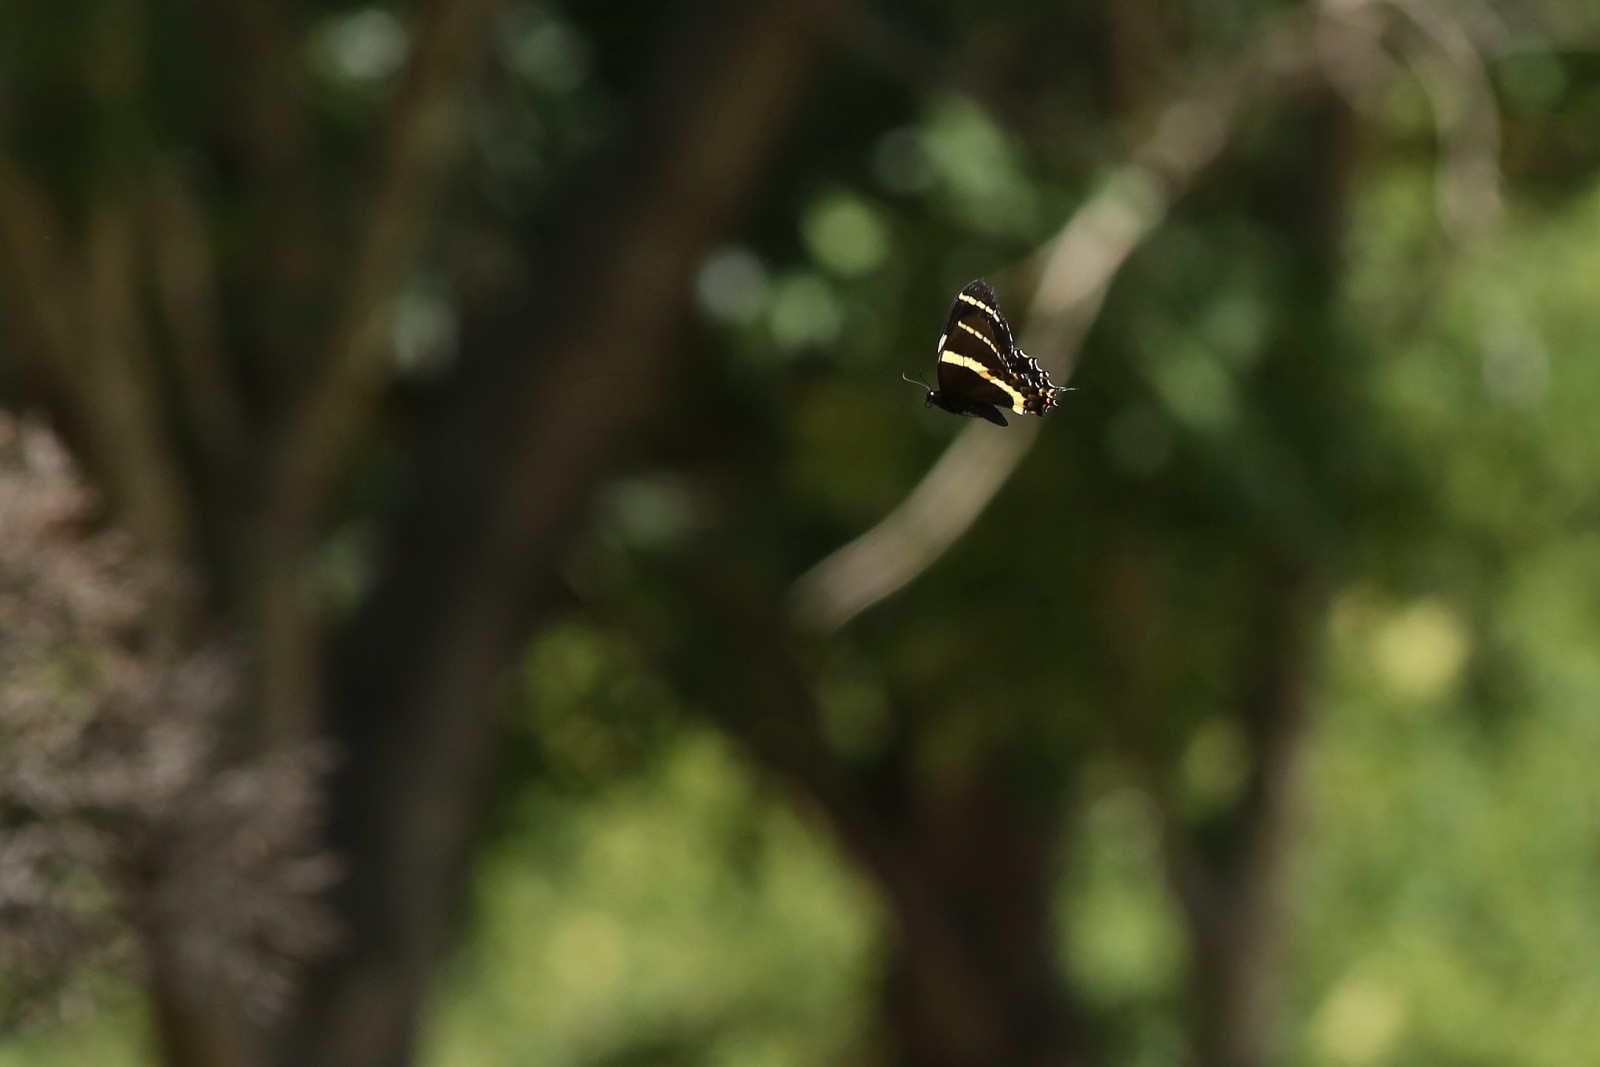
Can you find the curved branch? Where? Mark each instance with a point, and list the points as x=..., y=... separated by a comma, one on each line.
x=1079, y=265
x=1451, y=69
x=184, y=271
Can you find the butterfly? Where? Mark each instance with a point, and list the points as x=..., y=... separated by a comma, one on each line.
x=981, y=370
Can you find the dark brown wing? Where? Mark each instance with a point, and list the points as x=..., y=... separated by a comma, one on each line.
x=978, y=297
x=979, y=362
x=972, y=366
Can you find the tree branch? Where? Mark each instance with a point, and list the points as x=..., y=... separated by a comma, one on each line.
x=186, y=284
x=539, y=416
x=970, y=866
x=33, y=246
x=320, y=435
x=117, y=392
x=1232, y=899
x=89, y=349
x=1451, y=69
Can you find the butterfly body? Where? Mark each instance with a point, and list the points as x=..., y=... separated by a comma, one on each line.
x=981, y=371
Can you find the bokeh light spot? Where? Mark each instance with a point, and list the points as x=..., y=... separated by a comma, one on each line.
x=589, y=953
x=845, y=235
x=364, y=46
x=1359, y=1022
x=1215, y=766
x=804, y=312
x=900, y=161
x=553, y=56
x=1420, y=651
x=732, y=285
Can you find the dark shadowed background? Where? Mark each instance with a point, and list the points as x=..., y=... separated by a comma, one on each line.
x=475, y=590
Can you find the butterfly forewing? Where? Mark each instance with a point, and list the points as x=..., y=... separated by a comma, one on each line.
x=972, y=364
x=978, y=298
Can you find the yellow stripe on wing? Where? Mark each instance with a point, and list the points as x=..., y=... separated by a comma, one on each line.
x=980, y=336
x=979, y=304
x=1017, y=401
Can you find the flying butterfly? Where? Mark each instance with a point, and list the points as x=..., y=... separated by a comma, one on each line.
x=981, y=370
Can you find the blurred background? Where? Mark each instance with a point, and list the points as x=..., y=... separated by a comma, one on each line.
x=475, y=590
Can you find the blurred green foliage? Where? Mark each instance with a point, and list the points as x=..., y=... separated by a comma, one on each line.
x=1444, y=877
x=685, y=915
x=649, y=895
x=1448, y=868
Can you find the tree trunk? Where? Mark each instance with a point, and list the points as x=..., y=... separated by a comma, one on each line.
x=1231, y=887
x=417, y=685
x=974, y=979
x=1229, y=875
x=968, y=862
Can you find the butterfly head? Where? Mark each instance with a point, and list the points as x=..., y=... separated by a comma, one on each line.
x=933, y=394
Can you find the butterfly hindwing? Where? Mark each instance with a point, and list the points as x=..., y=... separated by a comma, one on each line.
x=1032, y=382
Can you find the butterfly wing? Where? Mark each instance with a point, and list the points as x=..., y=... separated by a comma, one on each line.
x=981, y=368
x=1030, y=380
x=972, y=366
x=978, y=297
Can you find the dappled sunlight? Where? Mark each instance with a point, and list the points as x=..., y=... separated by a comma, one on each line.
x=686, y=909
x=1419, y=651
x=543, y=425
x=1359, y=1022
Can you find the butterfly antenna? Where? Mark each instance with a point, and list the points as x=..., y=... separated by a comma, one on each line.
x=916, y=381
